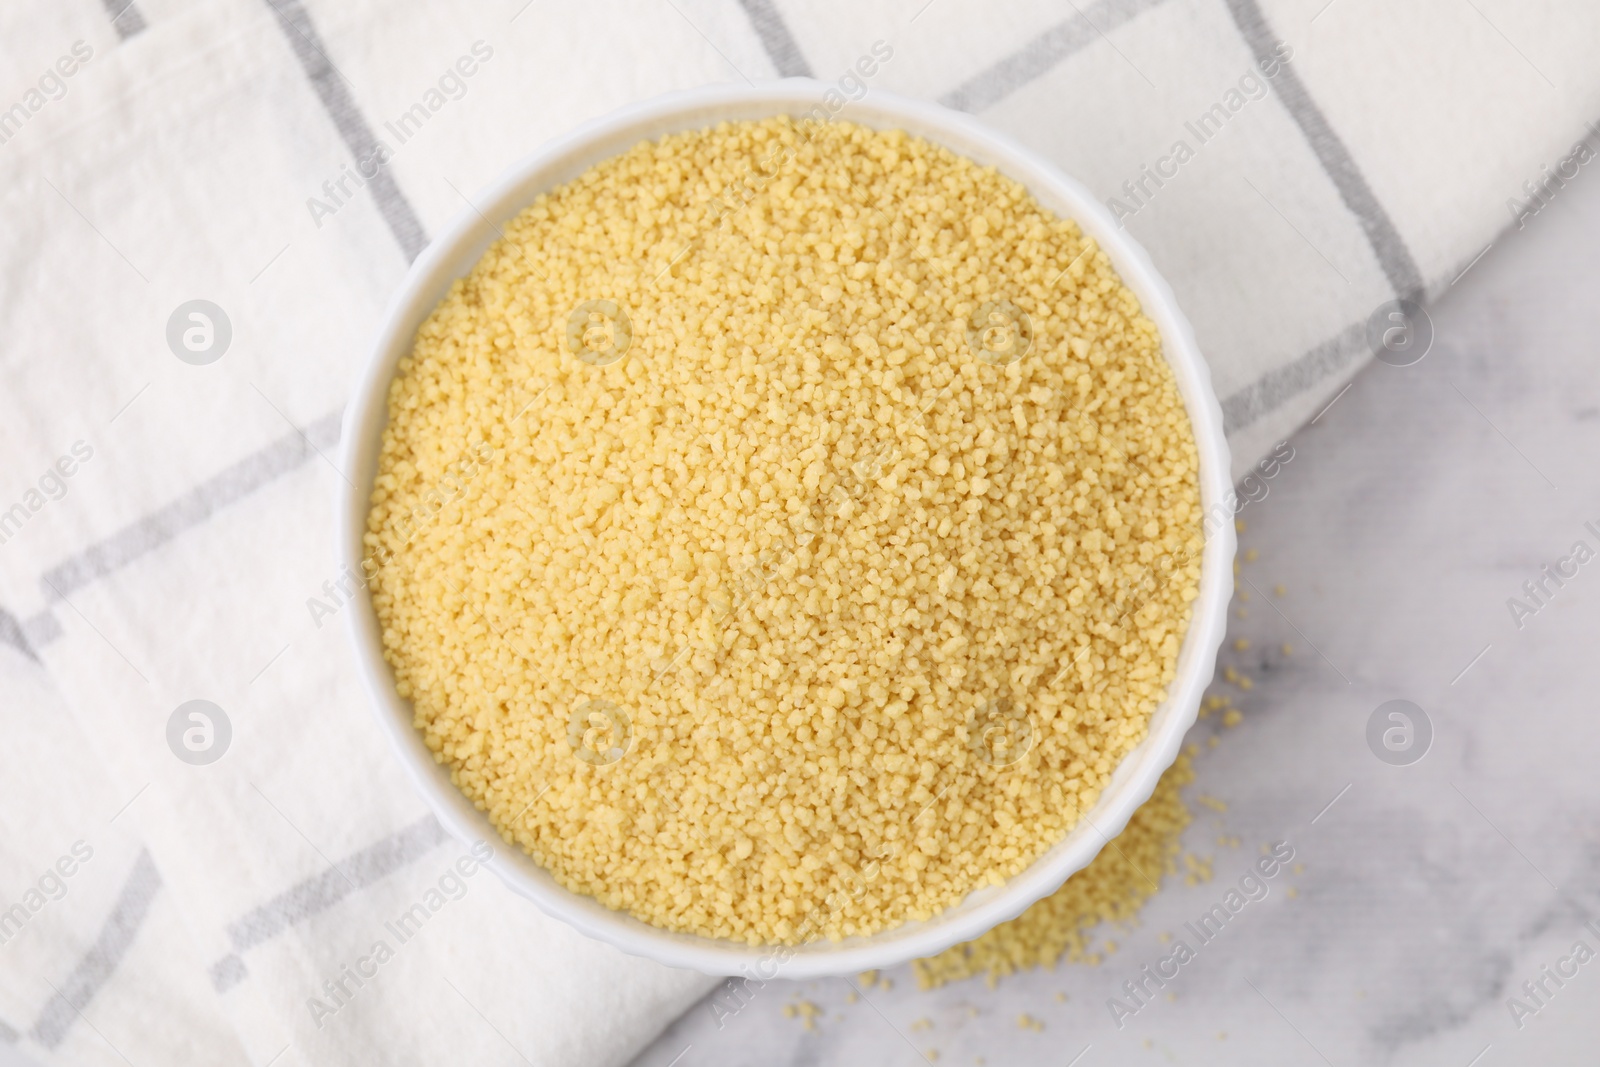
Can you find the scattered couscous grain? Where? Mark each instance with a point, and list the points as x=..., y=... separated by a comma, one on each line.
x=1113, y=888
x=795, y=568
x=1199, y=869
x=805, y=1011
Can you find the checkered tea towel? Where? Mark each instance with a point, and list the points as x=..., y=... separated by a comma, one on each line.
x=209, y=855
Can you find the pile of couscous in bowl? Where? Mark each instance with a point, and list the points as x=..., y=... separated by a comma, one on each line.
x=785, y=530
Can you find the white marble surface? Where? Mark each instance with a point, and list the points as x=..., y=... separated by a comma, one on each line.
x=1413, y=509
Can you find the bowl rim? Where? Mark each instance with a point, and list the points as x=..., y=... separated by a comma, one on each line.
x=457, y=249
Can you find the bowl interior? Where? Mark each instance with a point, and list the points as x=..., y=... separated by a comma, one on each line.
x=455, y=252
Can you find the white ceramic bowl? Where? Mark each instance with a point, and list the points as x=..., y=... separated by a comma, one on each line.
x=453, y=254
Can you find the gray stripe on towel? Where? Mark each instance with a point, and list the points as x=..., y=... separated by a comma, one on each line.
x=125, y=18
x=1034, y=59
x=194, y=507
x=12, y=633
x=1387, y=244
x=341, y=106
x=780, y=44
x=40, y=630
x=1267, y=392
x=98, y=964
x=321, y=891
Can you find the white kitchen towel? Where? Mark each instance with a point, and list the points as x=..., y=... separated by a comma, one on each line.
x=165, y=522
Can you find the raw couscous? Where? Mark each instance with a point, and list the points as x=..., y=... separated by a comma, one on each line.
x=785, y=529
